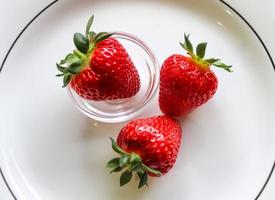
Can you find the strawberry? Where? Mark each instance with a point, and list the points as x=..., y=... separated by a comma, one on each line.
x=100, y=68
x=146, y=146
x=186, y=82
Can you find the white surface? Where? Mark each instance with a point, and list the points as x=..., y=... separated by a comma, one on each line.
x=10, y=33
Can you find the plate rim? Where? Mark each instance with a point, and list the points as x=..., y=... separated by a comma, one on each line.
x=221, y=1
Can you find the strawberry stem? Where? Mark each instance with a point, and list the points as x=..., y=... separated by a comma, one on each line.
x=132, y=162
x=200, y=53
x=80, y=55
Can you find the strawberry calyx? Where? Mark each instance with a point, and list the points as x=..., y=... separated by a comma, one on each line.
x=198, y=57
x=132, y=163
x=79, y=59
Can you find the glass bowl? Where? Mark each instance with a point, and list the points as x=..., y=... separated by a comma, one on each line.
x=113, y=111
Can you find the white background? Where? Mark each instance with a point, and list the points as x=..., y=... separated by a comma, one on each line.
x=14, y=15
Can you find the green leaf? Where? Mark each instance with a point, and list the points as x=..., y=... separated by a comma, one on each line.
x=200, y=51
x=140, y=174
x=68, y=57
x=151, y=170
x=66, y=79
x=143, y=180
x=117, y=148
x=223, y=66
x=211, y=60
x=116, y=169
x=102, y=36
x=113, y=163
x=61, y=68
x=187, y=44
x=75, y=68
x=62, y=62
x=72, y=58
x=123, y=161
x=135, y=167
x=92, y=35
x=81, y=42
x=89, y=24
x=125, y=177
x=59, y=75
x=183, y=46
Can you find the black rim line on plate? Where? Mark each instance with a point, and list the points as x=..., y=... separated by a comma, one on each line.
x=222, y=1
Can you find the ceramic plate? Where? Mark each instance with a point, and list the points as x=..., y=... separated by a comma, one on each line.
x=50, y=151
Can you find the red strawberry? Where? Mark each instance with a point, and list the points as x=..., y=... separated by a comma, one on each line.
x=186, y=82
x=100, y=68
x=148, y=147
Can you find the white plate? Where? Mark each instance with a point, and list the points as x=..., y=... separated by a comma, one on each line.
x=51, y=151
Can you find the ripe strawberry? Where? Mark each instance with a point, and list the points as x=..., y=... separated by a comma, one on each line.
x=187, y=82
x=148, y=147
x=100, y=68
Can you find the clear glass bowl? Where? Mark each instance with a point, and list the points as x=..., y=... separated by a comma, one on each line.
x=113, y=111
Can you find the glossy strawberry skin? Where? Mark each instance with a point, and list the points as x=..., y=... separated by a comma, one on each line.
x=110, y=75
x=184, y=85
x=156, y=140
